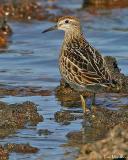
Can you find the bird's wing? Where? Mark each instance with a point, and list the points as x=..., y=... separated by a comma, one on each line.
x=86, y=65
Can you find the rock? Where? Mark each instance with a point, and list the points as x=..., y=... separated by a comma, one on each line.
x=16, y=116
x=4, y=155
x=20, y=148
x=75, y=137
x=23, y=10
x=64, y=117
x=44, y=132
x=24, y=91
x=67, y=96
x=5, y=29
x=3, y=41
x=114, y=146
x=96, y=124
x=122, y=80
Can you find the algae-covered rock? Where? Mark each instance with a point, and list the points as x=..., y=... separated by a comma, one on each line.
x=16, y=116
x=23, y=91
x=97, y=123
x=20, y=148
x=6, y=149
x=114, y=146
x=64, y=117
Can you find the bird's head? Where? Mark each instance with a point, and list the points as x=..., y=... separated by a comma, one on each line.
x=67, y=24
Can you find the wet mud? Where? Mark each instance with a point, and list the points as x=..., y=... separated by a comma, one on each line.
x=16, y=116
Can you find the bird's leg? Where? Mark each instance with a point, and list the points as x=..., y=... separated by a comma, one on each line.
x=83, y=101
x=94, y=99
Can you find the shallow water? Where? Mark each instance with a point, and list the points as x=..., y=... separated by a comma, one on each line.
x=31, y=60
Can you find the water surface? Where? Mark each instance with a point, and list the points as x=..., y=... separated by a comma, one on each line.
x=31, y=59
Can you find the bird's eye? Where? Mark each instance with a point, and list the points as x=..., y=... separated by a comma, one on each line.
x=67, y=21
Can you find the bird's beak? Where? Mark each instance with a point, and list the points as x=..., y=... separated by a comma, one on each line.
x=50, y=29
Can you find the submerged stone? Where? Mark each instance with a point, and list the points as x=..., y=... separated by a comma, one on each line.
x=44, y=132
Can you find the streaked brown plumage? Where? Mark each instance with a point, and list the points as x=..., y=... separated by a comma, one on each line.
x=81, y=65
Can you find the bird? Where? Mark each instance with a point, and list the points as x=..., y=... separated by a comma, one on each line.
x=80, y=64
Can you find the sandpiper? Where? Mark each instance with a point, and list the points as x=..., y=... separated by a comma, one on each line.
x=81, y=65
